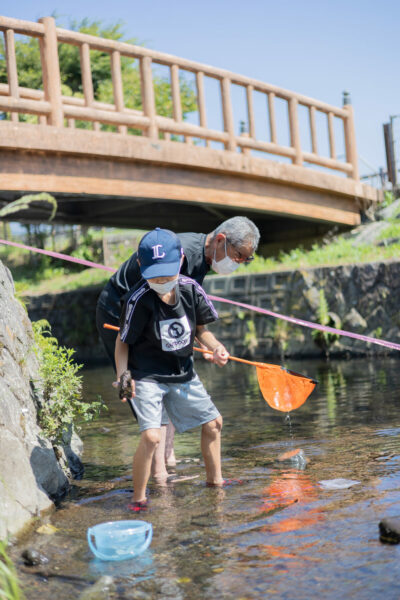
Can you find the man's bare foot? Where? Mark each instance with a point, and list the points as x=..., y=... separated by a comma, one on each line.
x=170, y=460
x=172, y=479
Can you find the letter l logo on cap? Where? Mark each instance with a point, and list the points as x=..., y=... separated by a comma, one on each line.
x=156, y=252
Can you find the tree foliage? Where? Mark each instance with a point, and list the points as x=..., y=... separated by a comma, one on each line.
x=30, y=71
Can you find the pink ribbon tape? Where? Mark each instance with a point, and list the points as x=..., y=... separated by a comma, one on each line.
x=264, y=311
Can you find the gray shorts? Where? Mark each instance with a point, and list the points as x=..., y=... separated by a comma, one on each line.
x=188, y=405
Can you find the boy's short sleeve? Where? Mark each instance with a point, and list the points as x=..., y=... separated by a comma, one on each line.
x=133, y=316
x=205, y=311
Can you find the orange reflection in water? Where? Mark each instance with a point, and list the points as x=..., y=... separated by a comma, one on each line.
x=288, y=489
x=295, y=489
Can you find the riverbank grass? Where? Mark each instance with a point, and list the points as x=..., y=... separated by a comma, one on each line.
x=9, y=584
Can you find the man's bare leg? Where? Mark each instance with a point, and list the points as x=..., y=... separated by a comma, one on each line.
x=170, y=459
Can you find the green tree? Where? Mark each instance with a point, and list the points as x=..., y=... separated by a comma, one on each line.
x=30, y=71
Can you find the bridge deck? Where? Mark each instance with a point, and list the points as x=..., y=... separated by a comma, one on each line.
x=133, y=180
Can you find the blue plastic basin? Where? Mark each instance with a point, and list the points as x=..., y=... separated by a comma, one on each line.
x=119, y=540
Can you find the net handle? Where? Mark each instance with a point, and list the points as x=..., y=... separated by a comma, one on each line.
x=203, y=350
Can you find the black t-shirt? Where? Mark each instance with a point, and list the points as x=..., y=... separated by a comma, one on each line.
x=128, y=274
x=160, y=335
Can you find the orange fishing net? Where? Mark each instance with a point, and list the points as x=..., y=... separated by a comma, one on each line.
x=283, y=389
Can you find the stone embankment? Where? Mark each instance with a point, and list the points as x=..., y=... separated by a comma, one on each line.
x=31, y=477
x=360, y=298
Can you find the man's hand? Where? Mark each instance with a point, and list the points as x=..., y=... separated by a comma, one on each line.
x=220, y=355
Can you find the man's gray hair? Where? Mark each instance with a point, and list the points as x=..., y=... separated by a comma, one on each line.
x=239, y=231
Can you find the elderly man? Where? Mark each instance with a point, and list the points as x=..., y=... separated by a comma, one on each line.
x=232, y=243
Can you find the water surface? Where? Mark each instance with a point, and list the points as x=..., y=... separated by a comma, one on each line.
x=279, y=534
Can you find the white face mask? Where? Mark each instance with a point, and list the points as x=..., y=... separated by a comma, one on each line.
x=163, y=288
x=224, y=266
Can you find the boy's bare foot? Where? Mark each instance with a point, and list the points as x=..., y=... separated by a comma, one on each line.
x=225, y=483
x=137, y=507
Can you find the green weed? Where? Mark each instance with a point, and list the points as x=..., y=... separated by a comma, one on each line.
x=9, y=585
x=324, y=339
x=60, y=384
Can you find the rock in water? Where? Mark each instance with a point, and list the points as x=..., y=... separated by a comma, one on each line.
x=295, y=458
x=389, y=530
x=101, y=590
x=125, y=385
x=32, y=557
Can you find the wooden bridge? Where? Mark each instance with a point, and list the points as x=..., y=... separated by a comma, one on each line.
x=165, y=170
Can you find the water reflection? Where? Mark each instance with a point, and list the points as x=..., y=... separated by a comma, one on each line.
x=279, y=533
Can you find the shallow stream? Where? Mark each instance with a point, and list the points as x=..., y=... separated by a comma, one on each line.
x=279, y=534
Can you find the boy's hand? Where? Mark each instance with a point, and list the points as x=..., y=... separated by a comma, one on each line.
x=220, y=356
x=126, y=386
x=209, y=356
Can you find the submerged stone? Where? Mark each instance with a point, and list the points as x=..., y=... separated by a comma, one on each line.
x=33, y=557
x=101, y=590
x=389, y=530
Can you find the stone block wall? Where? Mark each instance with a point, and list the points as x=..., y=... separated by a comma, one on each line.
x=359, y=298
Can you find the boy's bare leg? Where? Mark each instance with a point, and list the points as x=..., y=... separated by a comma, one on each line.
x=211, y=450
x=149, y=440
x=158, y=468
x=170, y=459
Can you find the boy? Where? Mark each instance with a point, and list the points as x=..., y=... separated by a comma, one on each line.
x=161, y=317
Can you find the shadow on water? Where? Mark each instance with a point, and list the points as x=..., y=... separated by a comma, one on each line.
x=279, y=533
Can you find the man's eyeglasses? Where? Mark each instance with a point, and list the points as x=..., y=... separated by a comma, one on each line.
x=240, y=258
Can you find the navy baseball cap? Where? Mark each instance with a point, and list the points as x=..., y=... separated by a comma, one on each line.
x=160, y=253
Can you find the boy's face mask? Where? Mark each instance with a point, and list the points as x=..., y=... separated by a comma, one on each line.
x=163, y=288
x=224, y=266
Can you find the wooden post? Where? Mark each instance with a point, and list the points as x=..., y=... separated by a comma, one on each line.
x=313, y=130
x=272, y=121
x=350, y=141
x=176, y=94
x=331, y=134
x=294, y=131
x=117, y=87
x=176, y=98
x=87, y=82
x=12, y=74
x=250, y=111
x=227, y=113
x=201, y=102
x=51, y=71
x=244, y=133
x=149, y=107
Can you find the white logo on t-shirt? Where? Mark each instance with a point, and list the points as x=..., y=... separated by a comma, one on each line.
x=175, y=334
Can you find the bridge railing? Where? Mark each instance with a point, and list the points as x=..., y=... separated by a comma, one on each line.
x=52, y=108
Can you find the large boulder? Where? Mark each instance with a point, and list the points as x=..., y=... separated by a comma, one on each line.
x=30, y=475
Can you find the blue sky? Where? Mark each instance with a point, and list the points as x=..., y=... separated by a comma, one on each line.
x=317, y=48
